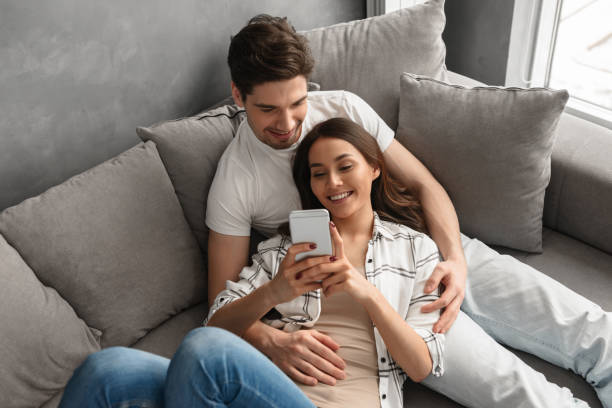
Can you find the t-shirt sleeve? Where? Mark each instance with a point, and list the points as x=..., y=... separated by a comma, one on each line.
x=426, y=257
x=359, y=111
x=227, y=208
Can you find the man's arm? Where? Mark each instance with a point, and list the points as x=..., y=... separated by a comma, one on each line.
x=443, y=226
x=306, y=356
x=227, y=255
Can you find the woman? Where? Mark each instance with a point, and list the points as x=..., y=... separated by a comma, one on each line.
x=366, y=297
x=376, y=276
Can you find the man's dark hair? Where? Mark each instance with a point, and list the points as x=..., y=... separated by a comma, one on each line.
x=267, y=49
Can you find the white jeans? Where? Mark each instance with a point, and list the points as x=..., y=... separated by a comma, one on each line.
x=511, y=303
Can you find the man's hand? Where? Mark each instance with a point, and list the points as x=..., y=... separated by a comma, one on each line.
x=452, y=274
x=307, y=356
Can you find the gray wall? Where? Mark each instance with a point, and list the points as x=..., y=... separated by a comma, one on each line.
x=477, y=37
x=77, y=76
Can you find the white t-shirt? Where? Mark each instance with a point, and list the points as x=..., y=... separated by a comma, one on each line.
x=254, y=187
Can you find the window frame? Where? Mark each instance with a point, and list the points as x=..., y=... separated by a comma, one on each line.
x=535, y=23
x=379, y=7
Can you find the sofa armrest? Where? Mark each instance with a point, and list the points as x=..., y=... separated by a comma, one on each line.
x=579, y=197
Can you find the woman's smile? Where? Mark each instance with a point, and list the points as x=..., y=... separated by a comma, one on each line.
x=339, y=198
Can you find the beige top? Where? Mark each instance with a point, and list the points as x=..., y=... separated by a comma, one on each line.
x=349, y=325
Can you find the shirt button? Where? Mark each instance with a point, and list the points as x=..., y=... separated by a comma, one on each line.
x=369, y=260
x=383, y=360
x=384, y=396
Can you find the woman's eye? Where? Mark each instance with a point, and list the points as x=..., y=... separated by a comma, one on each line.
x=346, y=167
x=317, y=175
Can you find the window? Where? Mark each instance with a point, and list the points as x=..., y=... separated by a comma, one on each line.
x=565, y=44
x=378, y=7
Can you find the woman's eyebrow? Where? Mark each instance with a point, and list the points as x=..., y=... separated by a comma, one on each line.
x=342, y=156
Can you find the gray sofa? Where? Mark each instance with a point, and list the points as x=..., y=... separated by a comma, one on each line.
x=116, y=255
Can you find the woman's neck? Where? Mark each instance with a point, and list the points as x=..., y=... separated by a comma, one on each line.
x=358, y=226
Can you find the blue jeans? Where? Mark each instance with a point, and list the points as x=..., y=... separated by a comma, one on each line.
x=211, y=368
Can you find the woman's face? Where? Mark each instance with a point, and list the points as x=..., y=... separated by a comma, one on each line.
x=340, y=177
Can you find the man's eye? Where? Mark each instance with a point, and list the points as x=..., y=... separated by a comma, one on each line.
x=267, y=110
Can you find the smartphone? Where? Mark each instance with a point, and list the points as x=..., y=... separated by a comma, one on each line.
x=311, y=226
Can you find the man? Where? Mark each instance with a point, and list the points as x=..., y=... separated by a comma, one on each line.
x=516, y=305
x=270, y=64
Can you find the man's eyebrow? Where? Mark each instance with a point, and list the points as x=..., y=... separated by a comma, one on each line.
x=266, y=106
x=342, y=156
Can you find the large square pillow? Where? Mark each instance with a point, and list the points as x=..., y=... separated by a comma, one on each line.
x=114, y=243
x=190, y=149
x=42, y=340
x=367, y=56
x=490, y=149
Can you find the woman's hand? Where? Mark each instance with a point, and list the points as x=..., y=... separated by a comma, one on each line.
x=344, y=277
x=296, y=278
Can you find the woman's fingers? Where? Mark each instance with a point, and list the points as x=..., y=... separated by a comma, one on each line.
x=337, y=241
x=297, y=249
x=334, y=279
x=320, y=271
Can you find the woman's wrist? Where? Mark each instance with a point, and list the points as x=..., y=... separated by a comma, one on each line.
x=269, y=295
x=371, y=295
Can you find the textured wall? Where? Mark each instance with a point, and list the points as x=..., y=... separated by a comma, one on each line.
x=477, y=37
x=77, y=76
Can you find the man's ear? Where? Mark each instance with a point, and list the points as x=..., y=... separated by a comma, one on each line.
x=236, y=95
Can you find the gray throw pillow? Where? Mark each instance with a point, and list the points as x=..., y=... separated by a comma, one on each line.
x=42, y=340
x=114, y=243
x=190, y=149
x=490, y=148
x=367, y=56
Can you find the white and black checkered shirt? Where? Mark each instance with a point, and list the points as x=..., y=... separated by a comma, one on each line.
x=399, y=261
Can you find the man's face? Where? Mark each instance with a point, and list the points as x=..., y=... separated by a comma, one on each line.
x=275, y=110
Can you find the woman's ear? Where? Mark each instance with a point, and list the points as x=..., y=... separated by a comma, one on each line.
x=375, y=173
x=236, y=95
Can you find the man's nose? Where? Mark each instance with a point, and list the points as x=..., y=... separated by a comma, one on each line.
x=285, y=121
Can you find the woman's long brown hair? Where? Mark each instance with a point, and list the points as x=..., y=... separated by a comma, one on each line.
x=390, y=200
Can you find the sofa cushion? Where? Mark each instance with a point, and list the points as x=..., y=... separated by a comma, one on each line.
x=114, y=243
x=490, y=148
x=190, y=149
x=42, y=340
x=367, y=56
x=165, y=339
x=581, y=267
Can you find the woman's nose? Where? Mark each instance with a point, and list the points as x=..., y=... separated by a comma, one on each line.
x=334, y=179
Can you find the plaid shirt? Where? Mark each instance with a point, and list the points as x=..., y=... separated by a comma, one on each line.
x=399, y=261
